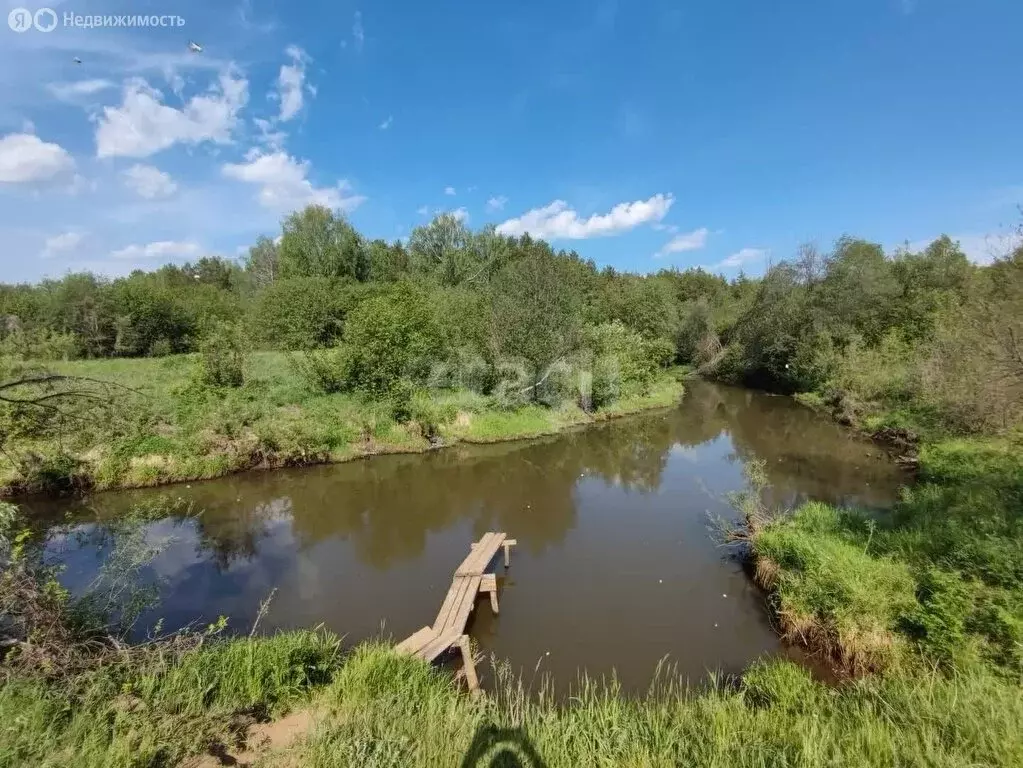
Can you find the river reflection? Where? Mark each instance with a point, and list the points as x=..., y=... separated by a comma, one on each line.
x=615, y=567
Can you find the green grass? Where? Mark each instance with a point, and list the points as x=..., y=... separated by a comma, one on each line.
x=155, y=711
x=387, y=711
x=374, y=708
x=830, y=593
x=941, y=573
x=164, y=429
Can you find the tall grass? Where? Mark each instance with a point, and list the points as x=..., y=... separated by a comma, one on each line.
x=941, y=573
x=383, y=710
x=158, y=710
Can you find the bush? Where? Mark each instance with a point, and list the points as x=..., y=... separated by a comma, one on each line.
x=391, y=338
x=322, y=370
x=222, y=356
x=300, y=313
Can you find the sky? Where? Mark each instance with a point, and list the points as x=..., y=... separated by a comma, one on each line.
x=642, y=134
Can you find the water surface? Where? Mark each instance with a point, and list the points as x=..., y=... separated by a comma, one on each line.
x=615, y=567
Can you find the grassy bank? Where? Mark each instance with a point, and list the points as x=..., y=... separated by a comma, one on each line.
x=166, y=429
x=372, y=708
x=938, y=578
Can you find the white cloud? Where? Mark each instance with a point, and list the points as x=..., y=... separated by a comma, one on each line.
x=387, y=123
x=687, y=241
x=268, y=134
x=63, y=243
x=743, y=257
x=283, y=183
x=664, y=227
x=459, y=214
x=497, y=203
x=557, y=220
x=423, y=210
x=74, y=91
x=149, y=182
x=25, y=157
x=142, y=125
x=450, y=191
x=358, y=31
x=165, y=249
x=290, y=83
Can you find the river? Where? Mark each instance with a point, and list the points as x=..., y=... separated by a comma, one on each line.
x=615, y=567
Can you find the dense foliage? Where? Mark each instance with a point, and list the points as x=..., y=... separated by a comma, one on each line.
x=511, y=315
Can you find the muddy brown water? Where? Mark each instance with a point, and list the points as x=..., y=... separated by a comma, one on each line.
x=615, y=569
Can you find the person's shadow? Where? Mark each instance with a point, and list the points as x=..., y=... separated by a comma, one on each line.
x=494, y=747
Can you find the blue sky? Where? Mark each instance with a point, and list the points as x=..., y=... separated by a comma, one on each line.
x=643, y=134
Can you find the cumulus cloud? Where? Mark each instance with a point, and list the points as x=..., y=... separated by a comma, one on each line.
x=459, y=214
x=61, y=244
x=686, y=241
x=164, y=249
x=387, y=123
x=143, y=125
x=291, y=82
x=557, y=220
x=25, y=157
x=78, y=89
x=497, y=203
x=149, y=182
x=743, y=257
x=284, y=185
x=450, y=191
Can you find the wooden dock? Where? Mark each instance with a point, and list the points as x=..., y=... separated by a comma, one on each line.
x=448, y=630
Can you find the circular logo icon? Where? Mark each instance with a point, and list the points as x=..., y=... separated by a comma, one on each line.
x=20, y=19
x=45, y=19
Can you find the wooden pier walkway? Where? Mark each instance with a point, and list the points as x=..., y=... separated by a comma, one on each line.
x=448, y=630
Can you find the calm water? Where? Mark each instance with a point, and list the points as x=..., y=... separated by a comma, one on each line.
x=615, y=567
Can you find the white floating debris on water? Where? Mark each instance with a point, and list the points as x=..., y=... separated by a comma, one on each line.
x=715, y=626
x=724, y=595
x=548, y=653
x=660, y=581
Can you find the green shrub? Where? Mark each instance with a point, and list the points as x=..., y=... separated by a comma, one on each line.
x=390, y=338
x=222, y=356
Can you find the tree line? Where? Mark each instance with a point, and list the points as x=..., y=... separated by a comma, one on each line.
x=456, y=306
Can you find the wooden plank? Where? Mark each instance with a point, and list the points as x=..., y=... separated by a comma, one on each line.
x=467, y=664
x=482, y=555
x=508, y=544
x=476, y=563
x=460, y=613
x=438, y=646
x=449, y=599
x=416, y=641
x=465, y=567
x=489, y=584
x=451, y=602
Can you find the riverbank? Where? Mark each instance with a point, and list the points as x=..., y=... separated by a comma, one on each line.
x=372, y=708
x=162, y=429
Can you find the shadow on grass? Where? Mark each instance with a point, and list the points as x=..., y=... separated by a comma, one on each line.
x=494, y=747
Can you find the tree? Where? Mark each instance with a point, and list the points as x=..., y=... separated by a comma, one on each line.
x=262, y=262
x=300, y=313
x=387, y=263
x=317, y=242
x=391, y=338
x=535, y=315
